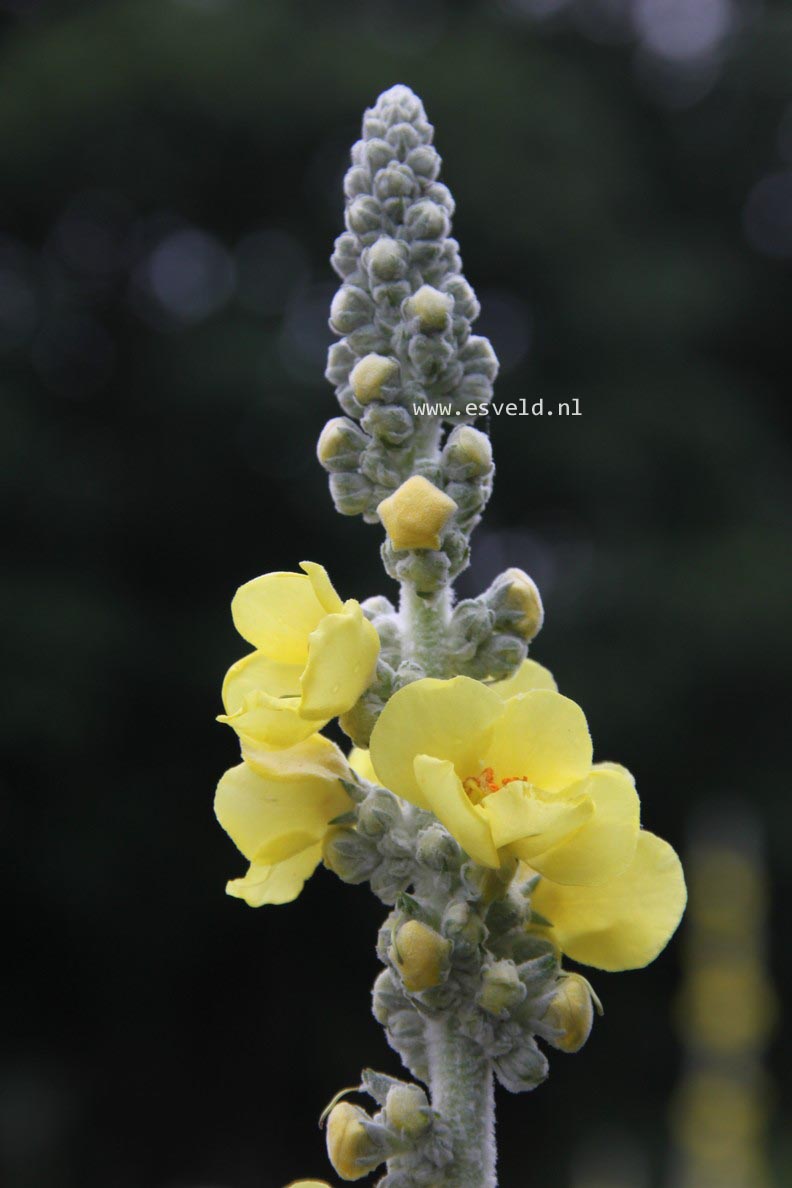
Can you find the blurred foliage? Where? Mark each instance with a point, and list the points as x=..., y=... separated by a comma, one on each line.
x=171, y=191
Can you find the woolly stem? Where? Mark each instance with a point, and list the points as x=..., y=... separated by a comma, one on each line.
x=462, y=1089
x=425, y=620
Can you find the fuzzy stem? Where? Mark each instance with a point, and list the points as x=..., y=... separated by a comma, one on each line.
x=425, y=619
x=463, y=1094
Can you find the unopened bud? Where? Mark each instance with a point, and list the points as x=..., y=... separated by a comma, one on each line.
x=501, y=988
x=378, y=813
x=349, y=855
x=570, y=1013
x=437, y=849
x=350, y=308
x=467, y=454
x=420, y=954
x=351, y=1151
x=387, y=259
x=340, y=445
x=431, y=307
x=415, y=514
x=369, y=374
x=518, y=603
x=407, y=1110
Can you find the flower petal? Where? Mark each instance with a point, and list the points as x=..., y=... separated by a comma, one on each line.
x=605, y=846
x=530, y=821
x=448, y=719
x=446, y=797
x=278, y=883
x=276, y=613
x=269, y=819
x=315, y=757
x=257, y=673
x=528, y=676
x=322, y=587
x=342, y=656
x=360, y=762
x=622, y=924
x=264, y=721
x=542, y=738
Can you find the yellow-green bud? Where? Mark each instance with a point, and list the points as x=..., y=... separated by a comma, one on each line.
x=420, y=955
x=571, y=1012
x=340, y=445
x=369, y=374
x=522, y=596
x=407, y=1109
x=416, y=513
x=501, y=988
x=430, y=307
x=467, y=453
x=387, y=258
x=349, y=1148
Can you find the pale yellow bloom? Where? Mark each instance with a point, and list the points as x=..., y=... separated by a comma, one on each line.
x=277, y=809
x=508, y=770
x=315, y=655
x=416, y=513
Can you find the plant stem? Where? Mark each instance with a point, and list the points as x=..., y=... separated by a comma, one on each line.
x=463, y=1094
x=425, y=619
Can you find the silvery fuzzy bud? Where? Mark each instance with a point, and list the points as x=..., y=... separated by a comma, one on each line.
x=394, y=181
x=478, y=358
x=346, y=256
x=351, y=308
x=350, y=855
x=357, y=181
x=375, y=153
x=427, y=220
x=522, y=1068
x=505, y=914
x=340, y=445
x=387, y=259
x=464, y=927
x=501, y=989
x=364, y=217
x=350, y=1148
x=407, y=1110
x=437, y=849
x=427, y=570
x=570, y=1014
x=424, y=161
x=467, y=454
x=378, y=813
x=431, y=307
x=515, y=599
x=351, y=493
x=498, y=658
x=340, y=361
x=390, y=424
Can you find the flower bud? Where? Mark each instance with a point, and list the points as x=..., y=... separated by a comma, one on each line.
x=370, y=374
x=350, y=308
x=571, y=1013
x=501, y=988
x=437, y=849
x=407, y=1109
x=427, y=220
x=351, y=493
x=420, y=955
x=378, y=813
x=340, y=445
x=349, y=855
x=387, y=259
x=431, y=307
x=308, y=1184
x=517, y=603
x=351, y=1151
x=416, y=514
x=467, y=454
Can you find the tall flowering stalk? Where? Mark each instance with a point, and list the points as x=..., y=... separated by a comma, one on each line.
x=469, y=801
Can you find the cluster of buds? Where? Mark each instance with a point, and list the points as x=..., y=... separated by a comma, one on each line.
x=490, y=634
x=405, y=1131
x=406, y=364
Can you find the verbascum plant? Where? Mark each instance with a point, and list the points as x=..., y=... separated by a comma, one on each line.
x=470, y=801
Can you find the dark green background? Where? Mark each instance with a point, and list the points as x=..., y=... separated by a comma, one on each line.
x=156, y=452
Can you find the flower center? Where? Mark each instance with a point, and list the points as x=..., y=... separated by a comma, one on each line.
x=485, y=783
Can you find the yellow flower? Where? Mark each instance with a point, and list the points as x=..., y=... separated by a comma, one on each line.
x=277, y=810
x=416, y=514
x=508, y=770
x=315, y=655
